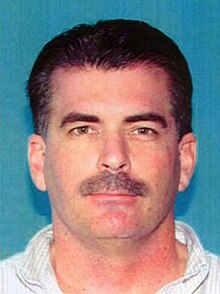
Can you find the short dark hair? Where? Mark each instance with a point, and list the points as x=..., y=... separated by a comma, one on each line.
x=111, y=44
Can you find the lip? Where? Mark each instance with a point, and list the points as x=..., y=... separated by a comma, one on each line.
x=109, y=197
x=112, y=201
x=112, y=195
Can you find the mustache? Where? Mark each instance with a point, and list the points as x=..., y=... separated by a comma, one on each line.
x=106, y=181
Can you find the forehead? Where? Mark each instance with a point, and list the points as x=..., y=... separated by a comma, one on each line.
x=91, y=89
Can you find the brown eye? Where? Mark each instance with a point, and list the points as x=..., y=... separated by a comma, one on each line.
x=145, y=131
x=81, y=130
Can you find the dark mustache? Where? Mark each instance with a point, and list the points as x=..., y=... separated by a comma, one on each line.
x=106, y=181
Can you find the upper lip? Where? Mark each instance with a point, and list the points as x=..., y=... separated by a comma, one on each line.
x=113, y=193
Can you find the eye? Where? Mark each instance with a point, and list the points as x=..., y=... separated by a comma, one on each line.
x=82, y=130
x=145, y=131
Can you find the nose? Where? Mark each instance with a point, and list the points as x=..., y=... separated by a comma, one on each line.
x=114, y=155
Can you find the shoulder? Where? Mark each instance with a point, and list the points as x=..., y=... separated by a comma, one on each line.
x=22, y=272
x=10, y=263
x=9, y=280
x=214, y=263
x=212, y=283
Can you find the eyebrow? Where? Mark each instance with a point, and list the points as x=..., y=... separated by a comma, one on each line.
x=148, y=116
x=75, y=117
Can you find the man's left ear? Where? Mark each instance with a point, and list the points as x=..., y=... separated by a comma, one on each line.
x=187, y=153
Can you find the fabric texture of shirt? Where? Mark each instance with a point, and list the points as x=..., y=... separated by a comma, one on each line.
x=31, y=271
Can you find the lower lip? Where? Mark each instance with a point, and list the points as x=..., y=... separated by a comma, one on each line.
x=116, y=198
x=109, y=195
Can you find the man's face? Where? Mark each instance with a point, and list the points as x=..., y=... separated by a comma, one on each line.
x=111, y=161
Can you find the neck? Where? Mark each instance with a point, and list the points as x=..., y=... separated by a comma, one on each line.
x=117, y=264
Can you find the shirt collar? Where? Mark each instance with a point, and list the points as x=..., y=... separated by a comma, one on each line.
x=35, y=267
x=197, y=264
x=196, y=253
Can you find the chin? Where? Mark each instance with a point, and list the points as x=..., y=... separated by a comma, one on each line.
x=116, y=225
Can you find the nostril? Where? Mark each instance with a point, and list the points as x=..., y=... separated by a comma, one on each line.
x=114, y=168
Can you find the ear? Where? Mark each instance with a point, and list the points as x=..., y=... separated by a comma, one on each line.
x=36, y=159
x=187, y=151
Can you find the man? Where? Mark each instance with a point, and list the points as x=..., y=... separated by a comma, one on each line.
x=113, y=144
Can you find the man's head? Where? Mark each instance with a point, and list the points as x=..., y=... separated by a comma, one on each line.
x=112, y=112
x=111, y=45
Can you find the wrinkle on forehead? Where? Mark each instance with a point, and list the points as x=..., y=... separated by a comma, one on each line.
x=83, y=82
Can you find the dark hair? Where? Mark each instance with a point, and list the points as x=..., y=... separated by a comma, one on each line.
x=111, y=44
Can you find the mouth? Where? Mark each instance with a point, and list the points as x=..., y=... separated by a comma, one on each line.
x=112, y=194
x=114, y=201
x=113, y=198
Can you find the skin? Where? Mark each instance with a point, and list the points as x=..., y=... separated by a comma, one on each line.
x=113, y=231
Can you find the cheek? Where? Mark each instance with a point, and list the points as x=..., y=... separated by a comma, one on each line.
x=66, y=166
x=156, y=161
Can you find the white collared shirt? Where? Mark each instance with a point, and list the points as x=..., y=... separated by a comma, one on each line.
x=31, y=271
